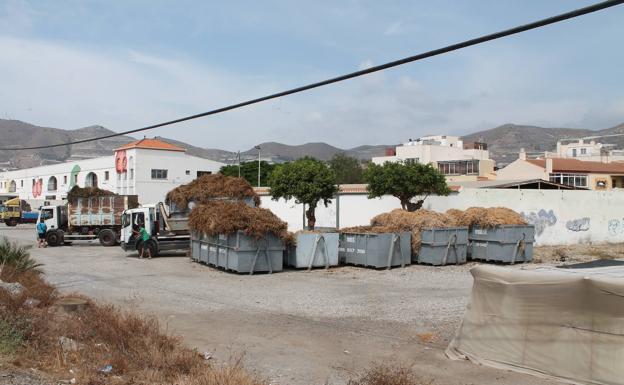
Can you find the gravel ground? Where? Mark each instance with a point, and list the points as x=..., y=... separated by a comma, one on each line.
x=294, y=327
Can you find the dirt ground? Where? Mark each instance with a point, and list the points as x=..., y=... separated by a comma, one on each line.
x=295, y=327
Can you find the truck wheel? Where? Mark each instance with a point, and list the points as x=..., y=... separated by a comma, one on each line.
x=11, y=222
x=107, y=237
x=53, y=238
x=150, y=244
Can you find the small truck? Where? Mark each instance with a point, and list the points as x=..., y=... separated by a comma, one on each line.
x=86, y=218
x=15, y=211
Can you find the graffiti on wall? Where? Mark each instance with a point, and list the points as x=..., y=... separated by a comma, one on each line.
x=37, y=188
x=580, y=224
x=541, y=219
x=121, y=161
x=616, y=227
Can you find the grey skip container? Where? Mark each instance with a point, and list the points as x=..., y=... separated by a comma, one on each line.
x=239, y=252
x=443, y=246
x=314, y=250
x=377, y=249
x=505, y=243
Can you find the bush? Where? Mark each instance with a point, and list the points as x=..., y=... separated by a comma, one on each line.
x=16, y=257
x=383, y=374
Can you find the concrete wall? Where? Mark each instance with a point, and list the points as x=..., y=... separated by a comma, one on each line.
x=560, y=216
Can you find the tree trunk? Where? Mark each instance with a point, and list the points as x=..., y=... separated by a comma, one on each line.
x=311, y=216
x=411, y=207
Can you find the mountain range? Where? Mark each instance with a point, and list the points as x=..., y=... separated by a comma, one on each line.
x=504, y=143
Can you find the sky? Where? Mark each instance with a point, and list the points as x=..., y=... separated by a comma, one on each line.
x=129, y=64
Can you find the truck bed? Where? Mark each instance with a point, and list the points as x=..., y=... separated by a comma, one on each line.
x=99, y=210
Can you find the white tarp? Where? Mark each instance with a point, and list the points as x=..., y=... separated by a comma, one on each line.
x=562, y=323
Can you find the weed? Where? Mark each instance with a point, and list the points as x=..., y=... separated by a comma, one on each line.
x=16, y=257
x=384, y=374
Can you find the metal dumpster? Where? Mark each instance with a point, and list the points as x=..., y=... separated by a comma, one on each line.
x=241, y=253
x=442, y=246
x=342, y=253
x=505, y=243
x=377, y=249
x=314, y=250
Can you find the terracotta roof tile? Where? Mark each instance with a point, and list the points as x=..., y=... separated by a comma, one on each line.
x=151, y=144
x=575, y=165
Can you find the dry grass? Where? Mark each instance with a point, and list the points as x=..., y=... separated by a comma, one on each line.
x=385, y=374
x=221, y=217
x=577, y=253
x=487, y=217
x=135, y=346
x=86, y=192
x=206, y=188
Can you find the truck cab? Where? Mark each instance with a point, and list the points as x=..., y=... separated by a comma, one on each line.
x=55, y=219
x=165, y=233
x=11, y=212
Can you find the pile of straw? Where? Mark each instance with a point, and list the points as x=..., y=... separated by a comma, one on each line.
x=208, y=187
x=223, y=217
x=489, y=217
x=86, y=192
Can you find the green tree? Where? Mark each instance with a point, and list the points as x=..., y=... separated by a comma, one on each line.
x=405, y=181
x=308, y=180
x=347, y=169
x=249, y=171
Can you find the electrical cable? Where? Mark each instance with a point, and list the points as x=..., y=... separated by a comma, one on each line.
x=453, y=47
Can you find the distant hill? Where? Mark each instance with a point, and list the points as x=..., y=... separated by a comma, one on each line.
x=504, y=143
x=323, y=151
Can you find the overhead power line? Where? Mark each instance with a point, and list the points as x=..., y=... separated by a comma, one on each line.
x=396, y=63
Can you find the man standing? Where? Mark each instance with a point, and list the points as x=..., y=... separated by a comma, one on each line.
x=142, y=233
x=41, y=234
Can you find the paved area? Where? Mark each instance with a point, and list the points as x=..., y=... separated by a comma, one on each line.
x=294, y=327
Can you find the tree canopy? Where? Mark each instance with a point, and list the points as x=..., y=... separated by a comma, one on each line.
x=249, y=171
x=347, y=169
x=405, y=181
x=308, y=180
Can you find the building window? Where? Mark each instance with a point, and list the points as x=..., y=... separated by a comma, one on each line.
x=51, y=197
x=574, y=180
x=22, y=183
x=159, y=174
x=459, y=167
x=33, y=182
x=76, y=179
x=64, y=179
x=106, y=175
x=200, y=173
x=131, y=173
x=188, y=172
x=91, y=180
x=574, y=152
x=52, y=184
x=12, y=186
x=583, y=151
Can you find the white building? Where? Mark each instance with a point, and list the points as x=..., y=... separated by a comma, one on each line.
x=586, y=150
x=448, y=153
x=148, y=168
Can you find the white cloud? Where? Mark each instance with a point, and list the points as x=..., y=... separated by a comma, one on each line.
x=59, y=85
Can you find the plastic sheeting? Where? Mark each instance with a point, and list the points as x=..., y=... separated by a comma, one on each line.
x=566, y=324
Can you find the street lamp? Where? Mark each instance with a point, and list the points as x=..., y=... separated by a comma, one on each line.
x=258, y=148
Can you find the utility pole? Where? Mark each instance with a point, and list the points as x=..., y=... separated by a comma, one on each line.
x=258, y=148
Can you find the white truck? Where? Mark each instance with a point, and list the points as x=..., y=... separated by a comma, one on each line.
x=167, y=231
x=89, y=218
